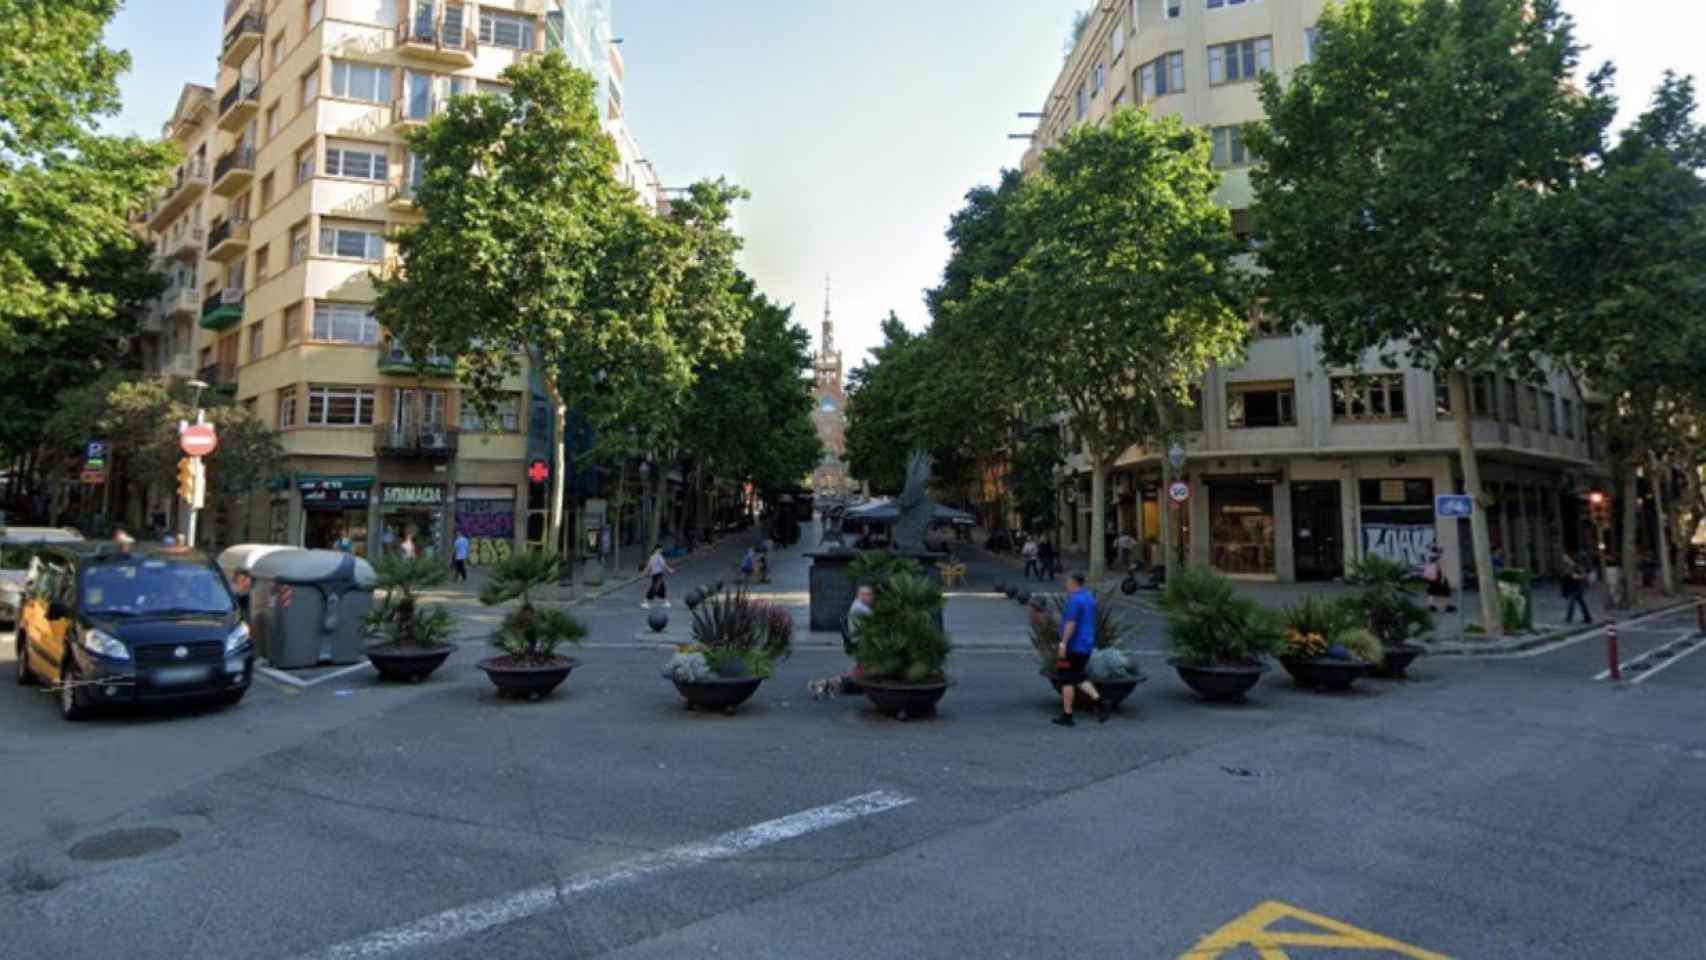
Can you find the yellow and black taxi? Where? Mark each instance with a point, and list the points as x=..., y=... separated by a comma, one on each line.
x=111, y=624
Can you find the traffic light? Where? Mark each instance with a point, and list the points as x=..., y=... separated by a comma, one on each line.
x=186, y=479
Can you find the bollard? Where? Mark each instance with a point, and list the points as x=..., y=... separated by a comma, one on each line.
x=1611, y=652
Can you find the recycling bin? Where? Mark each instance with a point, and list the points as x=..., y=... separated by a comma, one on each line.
x=309, y=605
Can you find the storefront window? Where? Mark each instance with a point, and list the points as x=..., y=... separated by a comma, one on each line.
x=1241, y=524
x=413, y=510
x=334, y=512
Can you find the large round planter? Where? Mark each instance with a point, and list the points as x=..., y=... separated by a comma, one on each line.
x=527, y=682
x=408, y=664
x=1325, y=674
x=1221, y=684
x=905, y=700
x=721, y=693
x=1396, y=664
x=1113, y=691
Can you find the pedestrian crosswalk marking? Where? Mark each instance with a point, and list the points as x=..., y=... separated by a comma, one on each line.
x=1255, y=930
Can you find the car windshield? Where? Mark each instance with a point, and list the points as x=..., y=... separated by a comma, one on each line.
x=153, y=586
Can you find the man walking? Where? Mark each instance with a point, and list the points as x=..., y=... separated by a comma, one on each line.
x=1126, y=544
x=460, y=556
x=1029, y=552
x=1575, y=591
x=658, y=567
x=1045, y=558
x=1077, y=641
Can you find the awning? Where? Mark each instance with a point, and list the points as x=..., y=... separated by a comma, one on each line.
x=885, y=511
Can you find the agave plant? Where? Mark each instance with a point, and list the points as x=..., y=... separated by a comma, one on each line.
x=900, y=641
x=398, y=619
x=742, y=637
x=528, y=635
x=1209, y=623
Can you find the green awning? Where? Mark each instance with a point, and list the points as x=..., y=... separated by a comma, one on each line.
x=325, y=481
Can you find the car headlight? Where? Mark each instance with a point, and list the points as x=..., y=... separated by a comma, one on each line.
x=105, y=645
x=237, y=639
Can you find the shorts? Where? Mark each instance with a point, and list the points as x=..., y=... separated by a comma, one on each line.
x=1073, y=672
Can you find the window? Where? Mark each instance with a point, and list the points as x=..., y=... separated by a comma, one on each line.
x=506, y=29
x=304, y=165
x=1270, y=404
x=298, y=244
x=257, y=340
x=272, y=121
x=1116, y=43
x=1512, y=413
x=286, y=408
x=353, y=242
x=1161, y=76
x=345, y=323
x=1369, y=398
x=261, y=264
x=361, y=81
x=293, y=324
x=266, y=193
x=310, y=86
x=507, y=419
x=1219, y=4
x=358, y=161
x=316, y=11
x=1264, y=324
x=1481, y=396
x=1531, y=408
x=1549, y=402
x=1229, y=149
x=1241, y=61
x=340, y=406
x=1173, y=9
x=1098, y=79
x=1083, y=101
x=278, y=48
x=1569, y=419
x=1308, y=44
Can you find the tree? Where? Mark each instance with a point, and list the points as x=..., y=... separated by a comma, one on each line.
x=1406, y=174
x=1036, y=460
x=66, y=192
x=1125, y=292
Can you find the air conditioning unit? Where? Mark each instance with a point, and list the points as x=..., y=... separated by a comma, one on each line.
x=434, y=440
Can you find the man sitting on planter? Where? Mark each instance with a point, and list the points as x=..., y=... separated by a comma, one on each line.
x=1077, y=642
x=859, y=610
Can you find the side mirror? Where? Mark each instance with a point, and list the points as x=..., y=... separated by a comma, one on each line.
x=58, y=611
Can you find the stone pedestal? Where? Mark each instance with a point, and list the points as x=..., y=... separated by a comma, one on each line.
x=832, y=586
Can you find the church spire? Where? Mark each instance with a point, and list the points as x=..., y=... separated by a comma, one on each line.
x=828, y=324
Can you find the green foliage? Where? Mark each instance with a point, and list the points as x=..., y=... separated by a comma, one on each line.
x=398, y=618
x=519, y=574
x=900, y=641
x=1209, y=623
x=877, y=567
x=1036, y=457
x=532, y=637
x=1111, y=630
x=1361, y=644
x=740, y=636
x=1386, y=602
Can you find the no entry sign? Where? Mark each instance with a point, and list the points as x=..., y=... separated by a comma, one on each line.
x=198, y=439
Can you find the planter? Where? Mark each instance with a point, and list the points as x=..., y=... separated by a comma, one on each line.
x=905, y=700
x=1396, y=664
x=1113, y=691
x=722, y=693
x=1325, y=674
x=1220, y=683
x=527, y=682
x=408, y=664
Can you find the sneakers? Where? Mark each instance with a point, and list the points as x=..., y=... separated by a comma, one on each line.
x=645, y=604
x=665, y=604
x=1064, y=720
x=1104, y=710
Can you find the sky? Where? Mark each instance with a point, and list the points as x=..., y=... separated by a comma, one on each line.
x=858, y=125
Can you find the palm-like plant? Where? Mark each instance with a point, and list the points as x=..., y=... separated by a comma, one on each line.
x=1209, y=623
x=399, y=620
x=1386, y=602
x=900, y=641
x=877, y=566
x=530, y=636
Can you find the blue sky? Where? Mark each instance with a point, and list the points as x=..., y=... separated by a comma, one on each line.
x=858, y=125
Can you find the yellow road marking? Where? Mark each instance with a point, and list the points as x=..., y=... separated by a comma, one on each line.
x=1251, y=930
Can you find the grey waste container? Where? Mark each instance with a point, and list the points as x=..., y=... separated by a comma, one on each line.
x=242, y=559
x=309, y=605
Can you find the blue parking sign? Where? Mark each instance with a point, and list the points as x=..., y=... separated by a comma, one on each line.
x=1454, y=506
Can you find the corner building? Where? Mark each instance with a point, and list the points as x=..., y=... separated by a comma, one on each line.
x=1296, y=468
x=298, y=170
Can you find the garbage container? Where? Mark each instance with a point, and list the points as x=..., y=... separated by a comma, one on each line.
x=309, y=605
x=1516, y=599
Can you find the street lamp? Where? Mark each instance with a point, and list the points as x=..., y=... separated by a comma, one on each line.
x=1176, y=457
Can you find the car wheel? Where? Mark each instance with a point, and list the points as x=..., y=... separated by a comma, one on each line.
x=25, y=677
x=71, y=703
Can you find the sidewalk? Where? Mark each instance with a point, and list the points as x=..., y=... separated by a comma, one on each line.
x=728, y=549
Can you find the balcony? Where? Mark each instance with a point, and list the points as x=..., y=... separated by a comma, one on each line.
x=432, y=441
x=181, y=303
x=153, y=319
x=234, y=171
x=228, y=240
x=243, y=37
x=219, y=376
x=237, y=105
x=224, y=310
x=186, y=245
x=393, y=359
x=401, y=197
x=186, y=188
x=409, y=113
x=447, y=41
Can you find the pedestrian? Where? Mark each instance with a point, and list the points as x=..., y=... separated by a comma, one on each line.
x=1125, y=544
x=124, y=540
x=1077, y=642
x=864, y=600
x=1033, y=569
x=1575, y=591
x=748, y=565
x=1045, y=558
x=342, y=542
x=407, y=547
x=244, y=584
x=658, y=567
x=459, y=556
x=1438, y=585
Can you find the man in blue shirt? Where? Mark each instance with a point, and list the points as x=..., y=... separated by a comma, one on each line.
x=1077, y=641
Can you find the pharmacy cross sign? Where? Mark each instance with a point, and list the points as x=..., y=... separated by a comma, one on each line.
x=537, y=471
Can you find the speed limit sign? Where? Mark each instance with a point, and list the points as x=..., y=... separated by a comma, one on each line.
x=1179, y=491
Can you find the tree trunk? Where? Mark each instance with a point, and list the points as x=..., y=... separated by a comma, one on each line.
x=1491, y=622
x=559, y=461
x=661, y=486
x=621, y=505
x=1163, y=499
x=1661, y=529
x=1098, y=516
x=1629, y=544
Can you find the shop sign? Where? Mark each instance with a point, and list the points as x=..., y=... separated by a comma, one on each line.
x=413, y=495
x=334, y=492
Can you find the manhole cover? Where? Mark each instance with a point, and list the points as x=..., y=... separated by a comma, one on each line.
x=124, y=844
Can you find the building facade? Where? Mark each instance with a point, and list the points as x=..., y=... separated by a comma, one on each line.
x=1295, y=468
x=303, y=173
x=829, y=415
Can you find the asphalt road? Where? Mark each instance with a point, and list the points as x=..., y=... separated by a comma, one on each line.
x=1498, y=808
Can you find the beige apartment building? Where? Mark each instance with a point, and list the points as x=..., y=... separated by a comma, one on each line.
x=1296, y=468
x=297, y=172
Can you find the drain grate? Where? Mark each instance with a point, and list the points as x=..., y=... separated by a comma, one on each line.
x=125, y=844
x=1245, y=772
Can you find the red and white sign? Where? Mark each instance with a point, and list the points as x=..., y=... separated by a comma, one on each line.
x=1179, y=491
x=198, y=439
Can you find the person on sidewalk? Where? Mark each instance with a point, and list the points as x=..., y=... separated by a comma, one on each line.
x=748, y=565
x=658, y=567
x=1045, y=559
x=342, y=542
x=863, y=601
x=1077, y=642
x=407, y=547
x=459, y=556
x=1125, y=544
x=1033, y=570
x=1439, y=588
x=1575, y=591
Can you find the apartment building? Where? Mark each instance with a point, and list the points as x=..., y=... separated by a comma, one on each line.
x=297, y=171
x=1297, y=468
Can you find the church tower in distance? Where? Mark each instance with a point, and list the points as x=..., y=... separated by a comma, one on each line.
x=829, y=413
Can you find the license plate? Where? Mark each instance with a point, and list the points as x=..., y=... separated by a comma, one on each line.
x=173, y=676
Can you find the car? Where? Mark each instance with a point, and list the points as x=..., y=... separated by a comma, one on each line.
x=124, y=624
x=15, y=562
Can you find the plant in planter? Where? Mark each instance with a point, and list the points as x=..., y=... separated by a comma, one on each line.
x=1325, y=646
x=737, y=643
x=1219, y=640
x=412, y=640
x=529, y=665
x=900, y=649
x=1114, y=671
x=1386, y=605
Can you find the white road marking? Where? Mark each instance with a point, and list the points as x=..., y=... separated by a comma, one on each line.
x=279, y=676
x=463, y=921
x=1546, y=648
x=1646, y=675
x=1624, y=665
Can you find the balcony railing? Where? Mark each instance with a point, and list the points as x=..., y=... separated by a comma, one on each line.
x=223, y=310
x=218, y=375
x=408, y=110
x=227, y=230
x=438, y=39
x=240, y=159
x=181, y=302
x=186, y=244
x=433, y=441
x=394, y=359
x=244, y=89
x=253, y=23
x=178, y=365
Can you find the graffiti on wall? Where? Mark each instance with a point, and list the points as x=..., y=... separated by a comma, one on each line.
x=1401, y=543
x=489, y=526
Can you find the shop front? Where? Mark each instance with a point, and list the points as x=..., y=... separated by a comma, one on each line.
x=1398, y=519
x=413, y=509
x=486, y=516
x=1241, y=524
x=334, y=507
